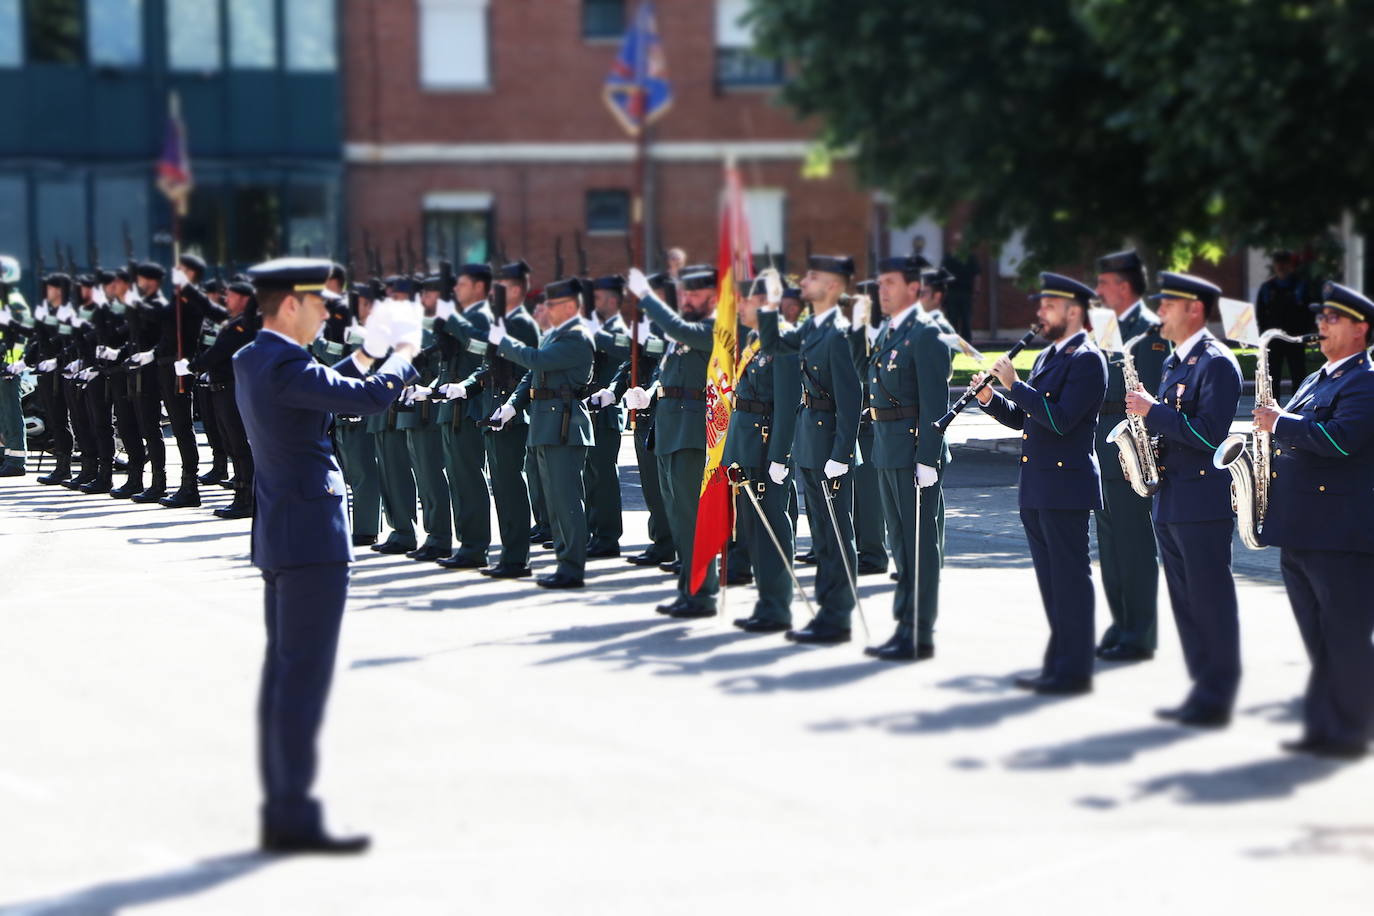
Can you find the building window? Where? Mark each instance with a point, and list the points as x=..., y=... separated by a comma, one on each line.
x=14, y=219
x=60, y=205
x=603, y=18
x=257, y=223
x=608, y=211
x=193, y=36
x=311, y=46
x=114, y=33
x=54, y=30
x=311, y=218
x=11, y=34
x=252, y=34
x=457, y=227
x=737, y=64
x=121, y=203
x=765, y=210
x=453, y=44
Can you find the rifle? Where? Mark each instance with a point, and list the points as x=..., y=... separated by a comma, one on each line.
x=588, y=296
x=501, y=251
x=410, y=254
x=400, y=264
x=558, y=257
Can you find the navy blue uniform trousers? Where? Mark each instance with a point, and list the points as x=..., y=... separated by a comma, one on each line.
x=1329, y=592
x=304, y=607
x=1197, y=570
x=1058, y=541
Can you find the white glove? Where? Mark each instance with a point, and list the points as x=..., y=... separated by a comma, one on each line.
x=5, y=317
x=182, y=367
x=407, y=323
x=643, y=336
x=66, y=313
x=603, y=398
x=142, y=359
x=86, y=375
x=377, y=332
x=109, y=353
x=17, y=367
x=502, y=415
x=453, y=391
x=926, y=476
x=98, y=295
x=778, y=472
x=179, y=277
x=772, y=286
x=496, y=334
x=79, y=320
x=73, y=367
x=638, y=283
x=420, y=393
x=47, y=365
x=835, y=469
x=636, y=399
x=41, y=313
x=445, y=310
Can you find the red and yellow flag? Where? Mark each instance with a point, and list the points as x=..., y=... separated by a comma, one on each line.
x=714, y=508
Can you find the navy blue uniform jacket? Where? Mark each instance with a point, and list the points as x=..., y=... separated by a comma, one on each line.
x=287, y=401
x=1056, y=410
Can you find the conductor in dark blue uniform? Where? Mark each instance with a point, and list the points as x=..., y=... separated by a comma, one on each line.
x=1056, y=409
x=1321, y=500
x=1193, y=518
x=300, y=538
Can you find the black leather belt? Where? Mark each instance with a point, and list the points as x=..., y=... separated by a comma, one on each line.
x=220, y=386
x=684, y=394
x=818, y=403
x=890, y=414
x=1112, y=407
x=759, y=407
x=565, y=393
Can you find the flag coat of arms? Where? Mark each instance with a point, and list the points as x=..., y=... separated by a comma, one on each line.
x=637, y=90
x=174, y=164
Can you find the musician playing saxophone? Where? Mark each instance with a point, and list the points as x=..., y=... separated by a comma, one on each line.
x=1321, y=498
x=1193, y=517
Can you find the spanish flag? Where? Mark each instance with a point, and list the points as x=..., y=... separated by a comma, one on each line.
x=715, y=507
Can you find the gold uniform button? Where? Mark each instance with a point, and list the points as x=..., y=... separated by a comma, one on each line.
x=1024, y=459
x=820, y=423
x=1322, y=489
x=1278, y=451
x=1202, y=473
x=1025, y=435
x=1274, y=474
x=1060, y=463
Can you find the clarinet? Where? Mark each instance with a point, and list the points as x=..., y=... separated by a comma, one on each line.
x=967, y=397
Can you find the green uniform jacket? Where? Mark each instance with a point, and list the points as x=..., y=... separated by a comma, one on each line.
x=827, y=372
x=428, y=363
x=498, y=377
x=756, y=440
x=680, y=423
x=463, y=337
x=562, y=363
x=1149, y=355
x=910, y=367
x=612, y=351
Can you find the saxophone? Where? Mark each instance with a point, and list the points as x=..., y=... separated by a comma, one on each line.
x=1248, y=459
x=1138, y=450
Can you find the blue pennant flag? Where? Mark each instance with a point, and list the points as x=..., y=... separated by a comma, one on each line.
x=637, y=90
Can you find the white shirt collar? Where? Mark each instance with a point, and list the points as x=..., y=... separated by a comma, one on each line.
x=935, y=314
x=474, y=307
x=1131, y=312
x=279, y=334
x=1183, y=349
x=828, y=316
x=1331, y=367
x=571, y=322
x=904, y=314
x=1062, y=342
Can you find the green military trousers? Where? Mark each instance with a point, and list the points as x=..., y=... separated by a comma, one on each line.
x=679, y=474
x=835, y=552
x=869, y=526
x=898, y=486
x=661, y=545
x=398, y=486
x=427, y=458
x=358, y=456
x=538, y=507
x=1130, y=566
x=466, y=494
x=604, y=519
x=771, y=575
x=560, y=471
x=505, y=467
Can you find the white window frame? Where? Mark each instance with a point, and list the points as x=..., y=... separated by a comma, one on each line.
x=430, y=44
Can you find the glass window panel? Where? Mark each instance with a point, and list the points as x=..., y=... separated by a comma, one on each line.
x=193, y=35
x=764, y=210
x=206, y=223
x=311, y=46
x=60, y=204
x=608, y=211
x=257, y=223
x=453, y=44
x=14, y=220
x=121, y=202
x=312, y=219
x=465, y=235
x=603, y=18
x=11, y=36
x=252, y=34
x=731, y=32
x=115, y=32
x=54, y=30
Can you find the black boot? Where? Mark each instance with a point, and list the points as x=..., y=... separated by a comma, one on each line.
x=102, y=482
x=241, y=507
x=156, y=490
x=187, y=495
x=88, y=474
x=62, y=471
x=218, y=471
x=133, y=484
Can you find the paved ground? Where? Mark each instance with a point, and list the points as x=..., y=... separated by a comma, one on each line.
x=518, y=751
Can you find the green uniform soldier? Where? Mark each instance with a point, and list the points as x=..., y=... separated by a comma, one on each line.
x=612, y=338
x=762, y=425
x=934, y=287
x=908, y=390
x=540, y=533
x=462, y=332
x=393, y=457
x=559, y=371
x=419, y=417
x=506, y=447
x=16, y=323
x=1125, y=533
x=824, y=448
x=680, y=422
x=869, y=526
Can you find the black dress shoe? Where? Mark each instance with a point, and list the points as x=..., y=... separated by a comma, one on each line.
x=894, y=577
x=1329, y=749
x=739, y=578
x=755, y=625
x=647, y=558
x=364, y=540
x=321, y=843
x=1029, y=683
x=507, y=572
x=538, y=535
x=150, y=495
x=670, y=606
x=1205, y=718
x=547, y=545
x=808, y=557
x=215, y=474
x=1124, y=653
x=461, y=561
x=98, y=486
x=233, y=511
x=601, y=551
x=55, y=476
x=819, y=634
x=391, y=547
x=1064, y=688
x=428, y=553
x=902, y=651
x=184, y=498
x=871, y=569
x=12, y=470
x=558, y=580
x=693, y=611
x=672, y=568
x=78, y=481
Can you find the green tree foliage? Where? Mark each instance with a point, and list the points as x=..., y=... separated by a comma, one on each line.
x=1179, y=125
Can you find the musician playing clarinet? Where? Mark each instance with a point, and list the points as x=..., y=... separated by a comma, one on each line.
x=1056, y=409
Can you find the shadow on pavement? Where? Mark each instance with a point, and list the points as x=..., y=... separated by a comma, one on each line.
x=1280, y=712
x=954, y=718
x=191, y=538
x=813, y=679
x=117, y=896
x=1264, y=780
x=1099, y=750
